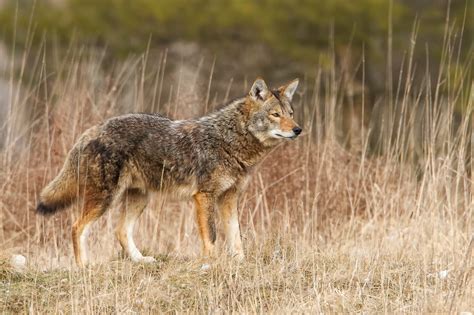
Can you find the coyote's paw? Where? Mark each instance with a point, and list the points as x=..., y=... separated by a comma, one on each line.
x=148, y=259
x=239, y=256
x=145, y=259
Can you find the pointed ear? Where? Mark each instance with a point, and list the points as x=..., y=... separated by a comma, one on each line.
x=259, y=90
x=289, y=89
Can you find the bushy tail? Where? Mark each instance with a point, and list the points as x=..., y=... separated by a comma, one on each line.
x=60, y=192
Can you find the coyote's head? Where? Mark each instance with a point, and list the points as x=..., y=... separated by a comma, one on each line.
x=271, y=113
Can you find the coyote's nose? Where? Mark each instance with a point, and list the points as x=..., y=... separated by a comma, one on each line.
x=297, y=130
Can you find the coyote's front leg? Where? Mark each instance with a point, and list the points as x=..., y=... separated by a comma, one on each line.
x=205, y=213
x=230, y=217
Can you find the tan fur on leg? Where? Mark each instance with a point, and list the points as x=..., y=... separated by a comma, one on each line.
x=230, y=217
x=205, y=211
x=133, y=205
x=91, y=213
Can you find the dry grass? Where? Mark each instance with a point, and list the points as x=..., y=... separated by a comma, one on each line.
x=325, y=228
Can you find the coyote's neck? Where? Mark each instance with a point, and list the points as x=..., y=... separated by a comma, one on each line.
x=230, y=124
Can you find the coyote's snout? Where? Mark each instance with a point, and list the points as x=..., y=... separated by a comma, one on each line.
x=207, y=159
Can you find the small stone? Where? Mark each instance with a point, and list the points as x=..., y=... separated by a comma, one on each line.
x=205, y=267
x=18, y=262
x=443, y=274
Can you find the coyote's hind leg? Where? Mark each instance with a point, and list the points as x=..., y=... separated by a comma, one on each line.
x=93, y=210
x=134, y=202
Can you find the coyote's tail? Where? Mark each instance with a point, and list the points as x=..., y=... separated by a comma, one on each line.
x=61, y=191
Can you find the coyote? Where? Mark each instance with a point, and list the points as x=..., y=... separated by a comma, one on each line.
x=208, y=159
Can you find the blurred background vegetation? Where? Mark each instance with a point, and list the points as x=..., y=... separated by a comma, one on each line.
x=271, y=34
x=363, y=53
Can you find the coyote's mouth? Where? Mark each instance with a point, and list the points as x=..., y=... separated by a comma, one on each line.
x=282, y=136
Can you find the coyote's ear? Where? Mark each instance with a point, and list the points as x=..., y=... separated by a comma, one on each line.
x=289, y=89
x=259, y=90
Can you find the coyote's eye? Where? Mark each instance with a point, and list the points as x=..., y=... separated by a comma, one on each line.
x=276, y=114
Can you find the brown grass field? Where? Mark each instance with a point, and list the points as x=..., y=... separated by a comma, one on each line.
x=347, y=226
